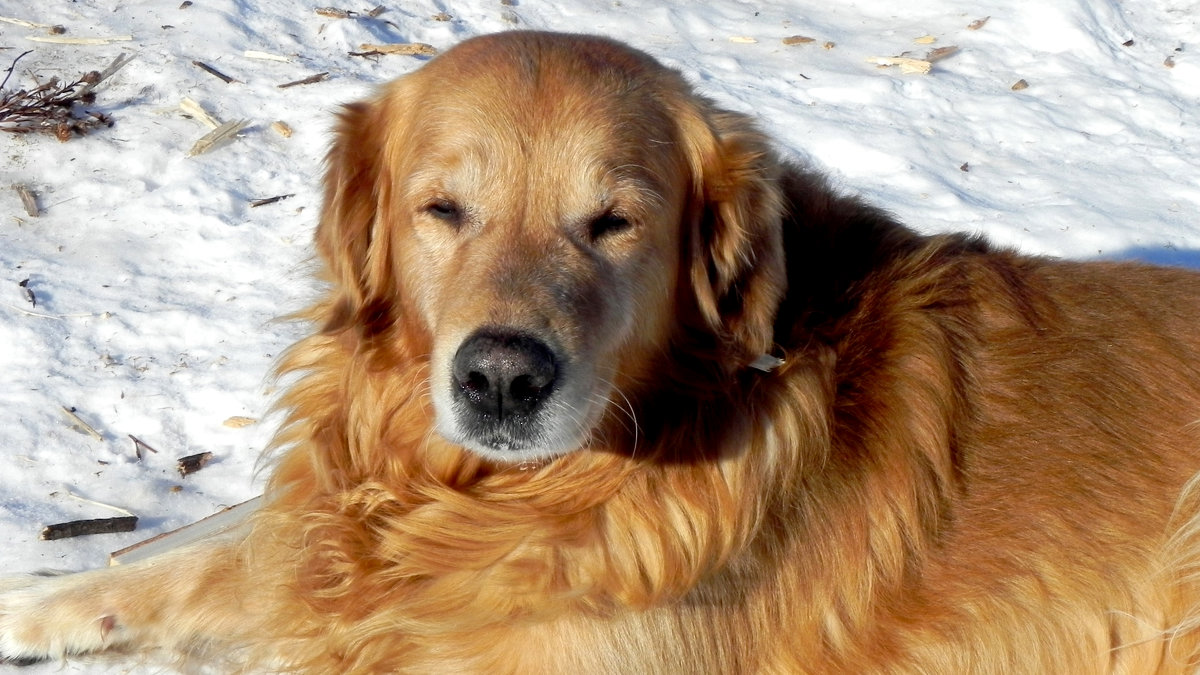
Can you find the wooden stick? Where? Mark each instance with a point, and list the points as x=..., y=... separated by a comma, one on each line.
x=312, y=79
x=214, y=72
x=269, y=200
x=78, y=528
x=139, y=445
x=224, y=520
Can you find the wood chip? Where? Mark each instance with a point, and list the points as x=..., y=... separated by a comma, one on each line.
x=214, y=72
x=829, y=45
x=925, y=40
x=1019, y=85
x=906, y=65
x=79, y=528
x=334, y=12
x=198, y=113
x=940, y=53
x=238, y=422
x=218, y=137
x=743, y=40
x=1169, y=62
x=797, y=40
x=58, y=40
x=281, y=128
x=193, y=463
x=265, y=56
x=379, y=9
x=403, y=48
x=442, y=16
x=311, y=79
x=28, y=200
x=978, y=23
x=79, y=425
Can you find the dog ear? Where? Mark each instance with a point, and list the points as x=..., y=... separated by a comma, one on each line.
x=351, y=236
x=737, y=268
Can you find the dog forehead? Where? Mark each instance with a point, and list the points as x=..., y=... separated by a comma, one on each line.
x=534, y=56
x=527, y=78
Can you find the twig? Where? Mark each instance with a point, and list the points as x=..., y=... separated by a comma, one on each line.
x=13, y=67
x=77, y=422
x=139, y=445
x=312, y=79
x=78, y=528
x=269, y=200
x=214, y=72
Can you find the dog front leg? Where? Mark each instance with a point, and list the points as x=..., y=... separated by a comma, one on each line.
x=180, y=600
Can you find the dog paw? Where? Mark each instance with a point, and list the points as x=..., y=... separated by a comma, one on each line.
x=50, y=617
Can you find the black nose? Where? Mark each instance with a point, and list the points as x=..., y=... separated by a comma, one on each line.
x=502, y=374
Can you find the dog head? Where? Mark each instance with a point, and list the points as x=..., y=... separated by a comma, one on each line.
x=551, y=212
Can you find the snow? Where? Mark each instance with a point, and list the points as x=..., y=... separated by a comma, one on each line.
x=159, y=287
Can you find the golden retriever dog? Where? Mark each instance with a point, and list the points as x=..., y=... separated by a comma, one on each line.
x=603, y=385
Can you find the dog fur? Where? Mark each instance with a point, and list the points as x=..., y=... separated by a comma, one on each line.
x=969, y=461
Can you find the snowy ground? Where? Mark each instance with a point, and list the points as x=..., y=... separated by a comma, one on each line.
x=158, y=284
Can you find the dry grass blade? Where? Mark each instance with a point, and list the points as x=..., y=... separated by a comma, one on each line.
x=88, y=41
x=79, y=425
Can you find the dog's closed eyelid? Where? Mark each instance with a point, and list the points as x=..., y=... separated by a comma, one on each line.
x=445, y=210
x=607, y=223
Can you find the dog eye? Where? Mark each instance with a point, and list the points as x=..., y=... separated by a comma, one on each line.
x=444, y=210
x=607, y=224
